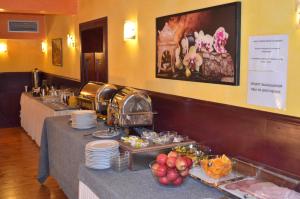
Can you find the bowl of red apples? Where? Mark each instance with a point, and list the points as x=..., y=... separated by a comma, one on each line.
x=171, y=169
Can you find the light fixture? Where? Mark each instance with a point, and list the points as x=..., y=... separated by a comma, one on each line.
x=129, y=30
x=3, y=47
x=44, y=47
x=298, y=12
x=70, y=40
x=2, y=10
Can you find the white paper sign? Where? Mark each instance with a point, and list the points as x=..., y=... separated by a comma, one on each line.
x=268, y=70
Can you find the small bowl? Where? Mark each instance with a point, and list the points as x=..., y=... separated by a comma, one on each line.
x=157, y=179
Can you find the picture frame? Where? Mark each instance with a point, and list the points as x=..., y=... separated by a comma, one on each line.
x=201, y=45
x=57, y=52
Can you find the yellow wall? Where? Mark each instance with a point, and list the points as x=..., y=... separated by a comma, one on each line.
x=60, y=27
x=21, y=55
x=133, y=64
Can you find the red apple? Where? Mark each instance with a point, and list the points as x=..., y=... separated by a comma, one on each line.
x=184, y=173
x=173, y=154
x=161, y=159
x=172, y=175
x=189, y=161
x=181, y=164
x=161, y=170
x=178, y=181
x=163, y=180
x=171, y=162
x=154, y=168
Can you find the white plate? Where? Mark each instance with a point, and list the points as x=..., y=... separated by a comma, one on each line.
x=83, y=112
x=102, y=144
x=105, y=167
x=199, y=173
x=83, y=126
x=101, y=150
x=84, y=123
x=105, y=134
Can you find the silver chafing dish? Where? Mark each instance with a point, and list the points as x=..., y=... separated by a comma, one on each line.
x=96, y=96
x=130, y=107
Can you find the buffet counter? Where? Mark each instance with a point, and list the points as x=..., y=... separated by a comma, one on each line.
x=63, y=151
x=108, y=184
x=33, y=113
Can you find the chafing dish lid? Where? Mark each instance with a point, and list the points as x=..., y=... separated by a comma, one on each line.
x=131, y=101
x=90, y=89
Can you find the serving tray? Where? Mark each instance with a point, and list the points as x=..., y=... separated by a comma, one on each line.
x=139, y=158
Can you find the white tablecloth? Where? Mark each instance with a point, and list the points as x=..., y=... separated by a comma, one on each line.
x=85, y=192
x=33, y=112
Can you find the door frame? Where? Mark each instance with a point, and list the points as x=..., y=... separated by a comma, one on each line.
x=101, y=22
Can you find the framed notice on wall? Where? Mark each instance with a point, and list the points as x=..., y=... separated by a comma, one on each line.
x=267, y=71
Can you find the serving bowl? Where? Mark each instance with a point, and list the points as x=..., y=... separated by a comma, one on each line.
x=166, y=180
x=216, y=166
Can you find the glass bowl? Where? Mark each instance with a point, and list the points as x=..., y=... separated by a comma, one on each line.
x=216, y=166
x=163, y=181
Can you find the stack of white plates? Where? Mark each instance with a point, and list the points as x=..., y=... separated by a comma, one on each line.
x=83, y=119
x=99, y=153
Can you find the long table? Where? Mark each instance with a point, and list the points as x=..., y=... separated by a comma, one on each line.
x=109, y=184
x=62, y=153
x=33, y=113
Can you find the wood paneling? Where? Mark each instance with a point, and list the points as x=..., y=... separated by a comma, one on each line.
x=263, y=137
x=18, y=168
x=60, y=81
x=93, y=37
x=11, y=87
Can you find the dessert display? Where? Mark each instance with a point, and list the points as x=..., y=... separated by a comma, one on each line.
x=216, y=167
x=135, y=141
x=171, y=169
x=152, y=138
x=144, y=149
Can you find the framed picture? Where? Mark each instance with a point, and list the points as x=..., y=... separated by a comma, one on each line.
x=201, y=45
x=57, y=57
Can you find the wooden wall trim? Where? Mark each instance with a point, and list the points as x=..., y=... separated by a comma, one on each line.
x=12, y=85
x=260, y=136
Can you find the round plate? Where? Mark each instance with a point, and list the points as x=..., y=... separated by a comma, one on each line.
x=105, y=134
x=102, y=144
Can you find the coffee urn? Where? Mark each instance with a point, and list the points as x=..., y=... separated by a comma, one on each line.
x=36, y=78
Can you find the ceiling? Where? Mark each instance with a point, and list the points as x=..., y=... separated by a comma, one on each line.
x=64, y=7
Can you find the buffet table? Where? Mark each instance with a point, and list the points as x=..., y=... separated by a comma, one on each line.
x=33, y=113
x=63, y=151
x=108, y=184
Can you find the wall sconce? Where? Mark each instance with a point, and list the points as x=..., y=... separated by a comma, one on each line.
x=129, y=30
x=298, y=12
x=70, y=40
x=44, y=47
x=3, y=47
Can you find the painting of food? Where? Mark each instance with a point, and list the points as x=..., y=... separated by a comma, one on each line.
x=201, y=45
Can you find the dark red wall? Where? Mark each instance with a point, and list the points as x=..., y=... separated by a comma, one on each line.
x=263, y=137
x=11, y=87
